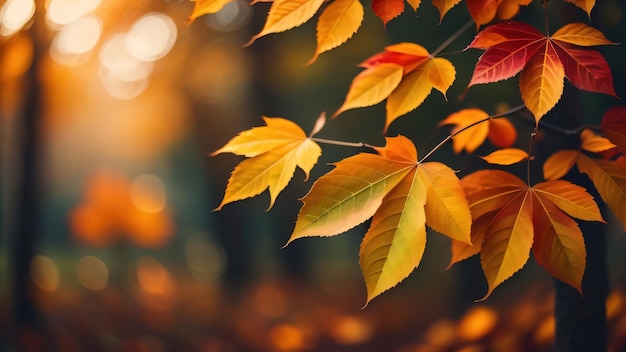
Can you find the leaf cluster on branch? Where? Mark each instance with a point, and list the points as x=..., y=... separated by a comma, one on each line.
x=491, y=212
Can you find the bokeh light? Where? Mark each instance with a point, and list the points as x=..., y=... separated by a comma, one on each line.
x=231, y=17
x=477, y=323
x=205, y=259
x=14, y=15
x=153, y=277
x=71, y=44
x=92, y=273
x=147, y=193
x=151, y=37
x=44, y=273
x=62, y=12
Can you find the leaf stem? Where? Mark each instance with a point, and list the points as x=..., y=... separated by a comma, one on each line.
x=341, y=143
x=533, y=134
x=452, y=38
x=450, y=136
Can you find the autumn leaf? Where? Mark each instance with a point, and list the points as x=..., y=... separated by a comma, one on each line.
x=614, y=126
x=444, y=6
x=387, y=10
x=401, y=195
x=506, y=156
x=419, y=75
x=337, y=23
x=204, y=7
x=500, y=131
x=273, y=151
x=585, y=5
x=287, y=14
x=521, y=218
x=544, y=61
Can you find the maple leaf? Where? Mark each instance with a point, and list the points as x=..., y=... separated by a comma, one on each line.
x=204, y=7
x=614, y=126
x=337, y=23
x=401, y=195
x=419, y=74
x=512, y=47
x=515, y=218
x=500, y=131
x=273, y=151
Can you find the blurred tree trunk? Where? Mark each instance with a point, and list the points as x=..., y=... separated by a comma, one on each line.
x=25, y=317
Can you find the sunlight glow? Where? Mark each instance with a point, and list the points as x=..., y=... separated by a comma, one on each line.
x=62, y=12
x=151, y=37
x=147, y=193
x=14, y=14
x=44, y=273
x=72, y=44
x=92, y=273
x=119, y=63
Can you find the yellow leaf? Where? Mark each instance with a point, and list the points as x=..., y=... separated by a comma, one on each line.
x=506, y=156
x=277, y=133
x=559, y=245
x=337, y=23
x=444, y=6
x=348, y=195
x=559, y=164
x=541, y=82
x=471, y=138
x=371, y=86
x=594, y=143
x=507, y=243
x=274, y=152
x=394, y=244
x=447, y=210
x=580, y=34
x=435, y=73
x=571, y=198
x=287, y=14
x=609, y=178
x=585, y=5
x=204, y=7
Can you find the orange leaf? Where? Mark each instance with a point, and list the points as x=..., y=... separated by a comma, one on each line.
x=462, y=250
x=559, y=164
x=371, y=86
x=585, y=5
x=482, y=11
x=387, y=10
x=506, y=156
x=204, y=7
x=409, y=55
x=337, y=23
x=519, y=217
x=444, y=6
x=591, y=142
x=541, y=82
x=502, y=133
x=274, y=152
x=287, y=14
x=471, y=138
x=414, y=4
x=559, y=245
x=609, y=178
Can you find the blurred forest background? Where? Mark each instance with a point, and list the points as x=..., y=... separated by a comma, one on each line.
x=109, y=110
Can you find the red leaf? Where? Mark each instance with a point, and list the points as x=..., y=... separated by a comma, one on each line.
x=614, y=126
x=504, y=61
x=387, y=10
